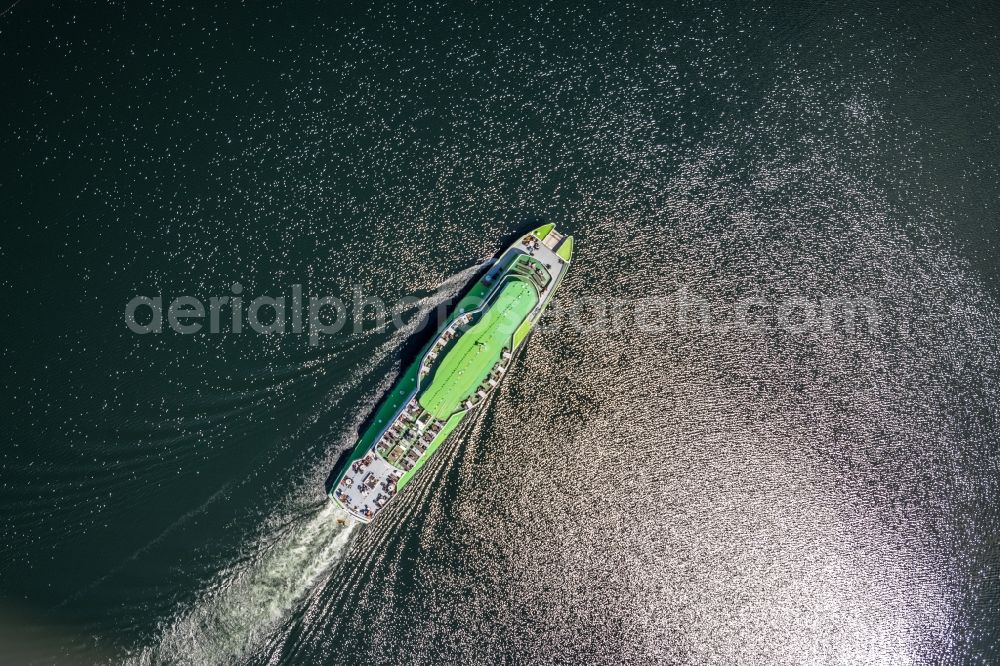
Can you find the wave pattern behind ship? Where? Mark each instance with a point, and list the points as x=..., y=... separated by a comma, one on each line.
x=454, y=373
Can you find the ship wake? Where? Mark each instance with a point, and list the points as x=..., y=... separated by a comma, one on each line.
x=252, y=598
x=248, y=601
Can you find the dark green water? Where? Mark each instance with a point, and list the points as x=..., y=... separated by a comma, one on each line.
x=690, y=492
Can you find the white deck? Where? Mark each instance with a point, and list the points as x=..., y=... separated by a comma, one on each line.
x=367, y=485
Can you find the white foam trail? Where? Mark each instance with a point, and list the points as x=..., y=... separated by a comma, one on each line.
x=254, y=597
x=251, y=599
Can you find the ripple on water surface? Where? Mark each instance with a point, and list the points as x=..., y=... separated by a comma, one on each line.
x=696, y=459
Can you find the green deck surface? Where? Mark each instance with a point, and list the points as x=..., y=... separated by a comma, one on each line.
x=468, y=363
x=522, y=332
x=565, y=250
x=543, y=231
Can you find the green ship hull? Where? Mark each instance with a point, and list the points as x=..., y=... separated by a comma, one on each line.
x=454, y=373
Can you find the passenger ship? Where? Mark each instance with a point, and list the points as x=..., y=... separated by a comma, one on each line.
x=454, y=373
